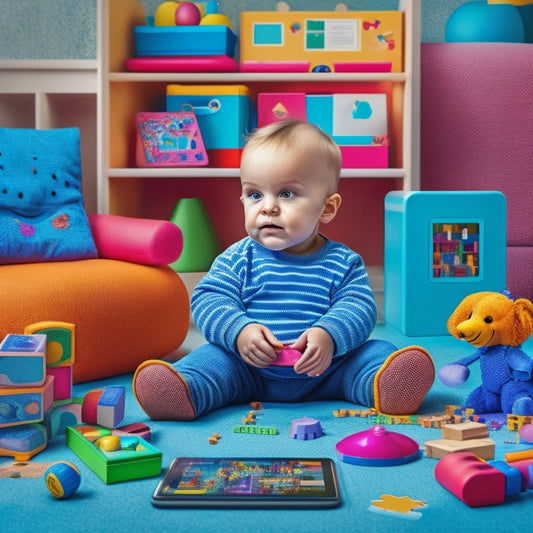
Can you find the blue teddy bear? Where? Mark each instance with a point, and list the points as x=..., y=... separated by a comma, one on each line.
x=497, y=326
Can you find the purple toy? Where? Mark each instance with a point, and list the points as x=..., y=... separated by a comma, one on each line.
x=377, y=447
x=305, y=429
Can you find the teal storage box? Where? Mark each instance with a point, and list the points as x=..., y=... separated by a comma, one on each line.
x=184, y=40
x=440, y=246
x=224, y=112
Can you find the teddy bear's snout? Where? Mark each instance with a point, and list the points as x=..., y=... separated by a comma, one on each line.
x=475, y=332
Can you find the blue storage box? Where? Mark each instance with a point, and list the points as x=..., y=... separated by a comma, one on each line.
x=184, y=40
x=224, y=112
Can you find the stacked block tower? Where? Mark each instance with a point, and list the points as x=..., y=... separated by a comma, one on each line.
x=36, y=388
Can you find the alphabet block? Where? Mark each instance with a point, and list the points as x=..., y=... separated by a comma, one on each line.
x=23, y=361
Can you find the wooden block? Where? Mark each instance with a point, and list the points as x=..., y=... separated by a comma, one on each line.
x=465, y=431
x=483, y=448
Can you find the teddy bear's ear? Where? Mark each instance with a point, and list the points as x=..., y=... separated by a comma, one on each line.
x=463, y=311
x=523, y=320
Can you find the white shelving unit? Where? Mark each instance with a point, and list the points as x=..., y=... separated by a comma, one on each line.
x=101, y=97
x=124, y=93
x=46, y=94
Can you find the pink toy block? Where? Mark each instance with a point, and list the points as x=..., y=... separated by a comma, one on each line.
x=22, y=442
x=137, y=428
x=23, y=361
x=478, y=483
x=25, y=405
x=62, y=382
x=110, y=408
x=273, y=107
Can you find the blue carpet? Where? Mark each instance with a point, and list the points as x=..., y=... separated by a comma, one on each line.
x=26, y=504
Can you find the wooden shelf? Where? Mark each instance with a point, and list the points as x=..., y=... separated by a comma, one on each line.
x=253, y=77
x=152, y=192
x=208, y=172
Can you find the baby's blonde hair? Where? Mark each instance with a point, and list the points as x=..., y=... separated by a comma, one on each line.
x=287, y=134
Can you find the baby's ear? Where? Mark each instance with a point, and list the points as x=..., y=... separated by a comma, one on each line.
x=331, y=206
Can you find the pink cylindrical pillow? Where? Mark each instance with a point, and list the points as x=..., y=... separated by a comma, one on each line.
x=137, y=240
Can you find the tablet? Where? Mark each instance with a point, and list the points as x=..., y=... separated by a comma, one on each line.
x=248, y=483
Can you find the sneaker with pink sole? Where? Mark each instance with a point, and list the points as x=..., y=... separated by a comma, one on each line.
x=403, y=381
x=162, y=392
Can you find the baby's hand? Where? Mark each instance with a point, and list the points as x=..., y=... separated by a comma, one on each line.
x=317, y=349
x=257, y=345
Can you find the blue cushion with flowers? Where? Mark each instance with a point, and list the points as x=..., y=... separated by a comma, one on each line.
x=42, y=217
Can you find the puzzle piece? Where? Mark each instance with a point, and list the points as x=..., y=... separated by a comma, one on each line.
x=402, y=505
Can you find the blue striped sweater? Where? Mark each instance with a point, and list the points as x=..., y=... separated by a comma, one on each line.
x=287, y=293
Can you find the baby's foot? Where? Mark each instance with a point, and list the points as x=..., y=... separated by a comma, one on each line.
x=162, y=392
x=403, y=381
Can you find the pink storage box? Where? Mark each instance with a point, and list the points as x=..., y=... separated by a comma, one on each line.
x=273, y=107
x=373, y=156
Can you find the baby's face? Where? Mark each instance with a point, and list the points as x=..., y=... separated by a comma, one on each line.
x=284, y=195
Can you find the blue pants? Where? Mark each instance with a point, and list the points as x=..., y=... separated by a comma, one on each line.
x=217, y=378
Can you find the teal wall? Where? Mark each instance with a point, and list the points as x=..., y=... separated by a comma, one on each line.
x=66, y=29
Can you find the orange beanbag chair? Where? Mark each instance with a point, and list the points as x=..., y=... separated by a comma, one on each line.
x=124, y=312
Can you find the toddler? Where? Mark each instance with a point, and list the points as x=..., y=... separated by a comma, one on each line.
x=286, y=285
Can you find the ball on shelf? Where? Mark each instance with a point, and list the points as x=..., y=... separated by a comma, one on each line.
x=187, y=14
x=165, y=14
x=62, y=480
x=216, y=19
x=481, y=22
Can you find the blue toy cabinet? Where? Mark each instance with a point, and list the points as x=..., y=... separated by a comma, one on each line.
x=440, y=247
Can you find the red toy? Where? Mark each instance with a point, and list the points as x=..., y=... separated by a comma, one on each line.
x=478, y=483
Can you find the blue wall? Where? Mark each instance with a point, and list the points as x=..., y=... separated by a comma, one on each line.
x=66, y=29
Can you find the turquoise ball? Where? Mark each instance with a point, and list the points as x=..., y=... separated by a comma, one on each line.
x=483, y=23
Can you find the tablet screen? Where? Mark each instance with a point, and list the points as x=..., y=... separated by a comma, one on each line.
x=248, y=482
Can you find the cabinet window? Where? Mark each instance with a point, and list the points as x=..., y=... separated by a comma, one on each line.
x=268, y=34
x=455, y=250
